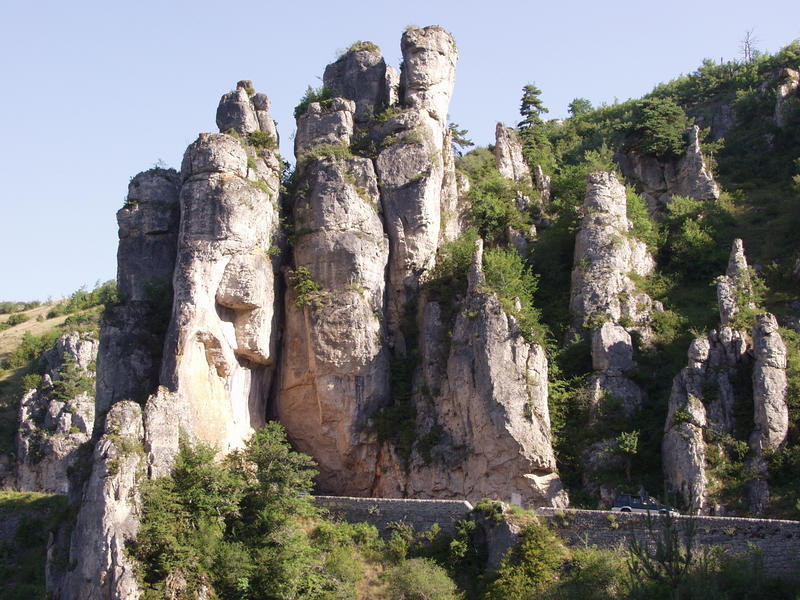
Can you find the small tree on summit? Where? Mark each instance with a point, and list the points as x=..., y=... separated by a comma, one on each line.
x=531, y=107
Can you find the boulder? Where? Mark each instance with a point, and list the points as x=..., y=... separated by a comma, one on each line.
x=330, y=124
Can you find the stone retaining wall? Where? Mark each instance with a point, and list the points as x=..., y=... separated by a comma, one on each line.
x=779, y=541
x=422, y=514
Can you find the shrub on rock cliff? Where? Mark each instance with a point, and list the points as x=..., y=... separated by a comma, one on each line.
x=231, y=525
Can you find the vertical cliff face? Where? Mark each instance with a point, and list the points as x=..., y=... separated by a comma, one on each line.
x=99, y=567
x=367, y=231
x=335, y=366
x=132, y=332
x=220, y=347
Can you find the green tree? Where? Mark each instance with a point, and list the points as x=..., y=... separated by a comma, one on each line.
x=580, y=106
x=459, y=137
x=531, y=107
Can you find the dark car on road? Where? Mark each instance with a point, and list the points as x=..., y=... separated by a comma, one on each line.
x=640, y=504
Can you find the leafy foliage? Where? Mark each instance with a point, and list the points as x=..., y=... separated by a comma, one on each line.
x=323, y=95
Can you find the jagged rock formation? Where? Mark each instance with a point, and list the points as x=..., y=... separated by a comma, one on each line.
x=704, y=394
x=131, y=333
x=221, y=343
x=99, y=567
x=54, y=423
x=508, y=155
x=771, y=414
x=605, y=252
x=335, y=371
x=659, y=181
x=789, y=83
x=542, y=182
x=605, y=303
x=490, y=413
x=364, y=77
x=349, y=284
x=366, y=233
x=734, y=288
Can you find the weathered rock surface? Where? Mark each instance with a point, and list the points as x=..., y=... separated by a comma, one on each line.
x=508, y=155
x=735, y=286
x=331, y=124
x=491, y=413
x=54, y=424
x=789, y=82
x=770, y=412
x=605, y=252
x=132, y=332
x=245, y=112
x=429, y=70
x=659, y=181
x=108, y=516
x=221, y=344
x=148, y=229
x=542, y=183
x=702, y=403
x=335, y=370
x=363, y=76
x=603, y=298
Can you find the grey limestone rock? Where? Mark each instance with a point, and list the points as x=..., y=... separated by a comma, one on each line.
x=52, y=427
x=491, y=410
x=108, y=515
x=771, y=413
x=335, y=371
x=331, y=124
x=429, y=66
x=735, y=285
x=148, y=230
x=542, y=183
x=220, y=348
x=361, y=75
x=508, y=155
x=612, y=348
x=244, y=111
x=605, y=253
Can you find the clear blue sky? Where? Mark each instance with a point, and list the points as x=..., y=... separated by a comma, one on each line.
x=93, y=92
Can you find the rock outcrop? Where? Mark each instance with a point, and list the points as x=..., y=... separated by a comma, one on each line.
x=363, y=76
x=132, y=332
x=335, y=370
x=659, y=181
x=221, y=344
x=488, y=424
x=58, y=418
x=99, y=567
x=605, y=252
x=508, y=155
x=770, y=412
x=607, y=306
x=704, y=395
